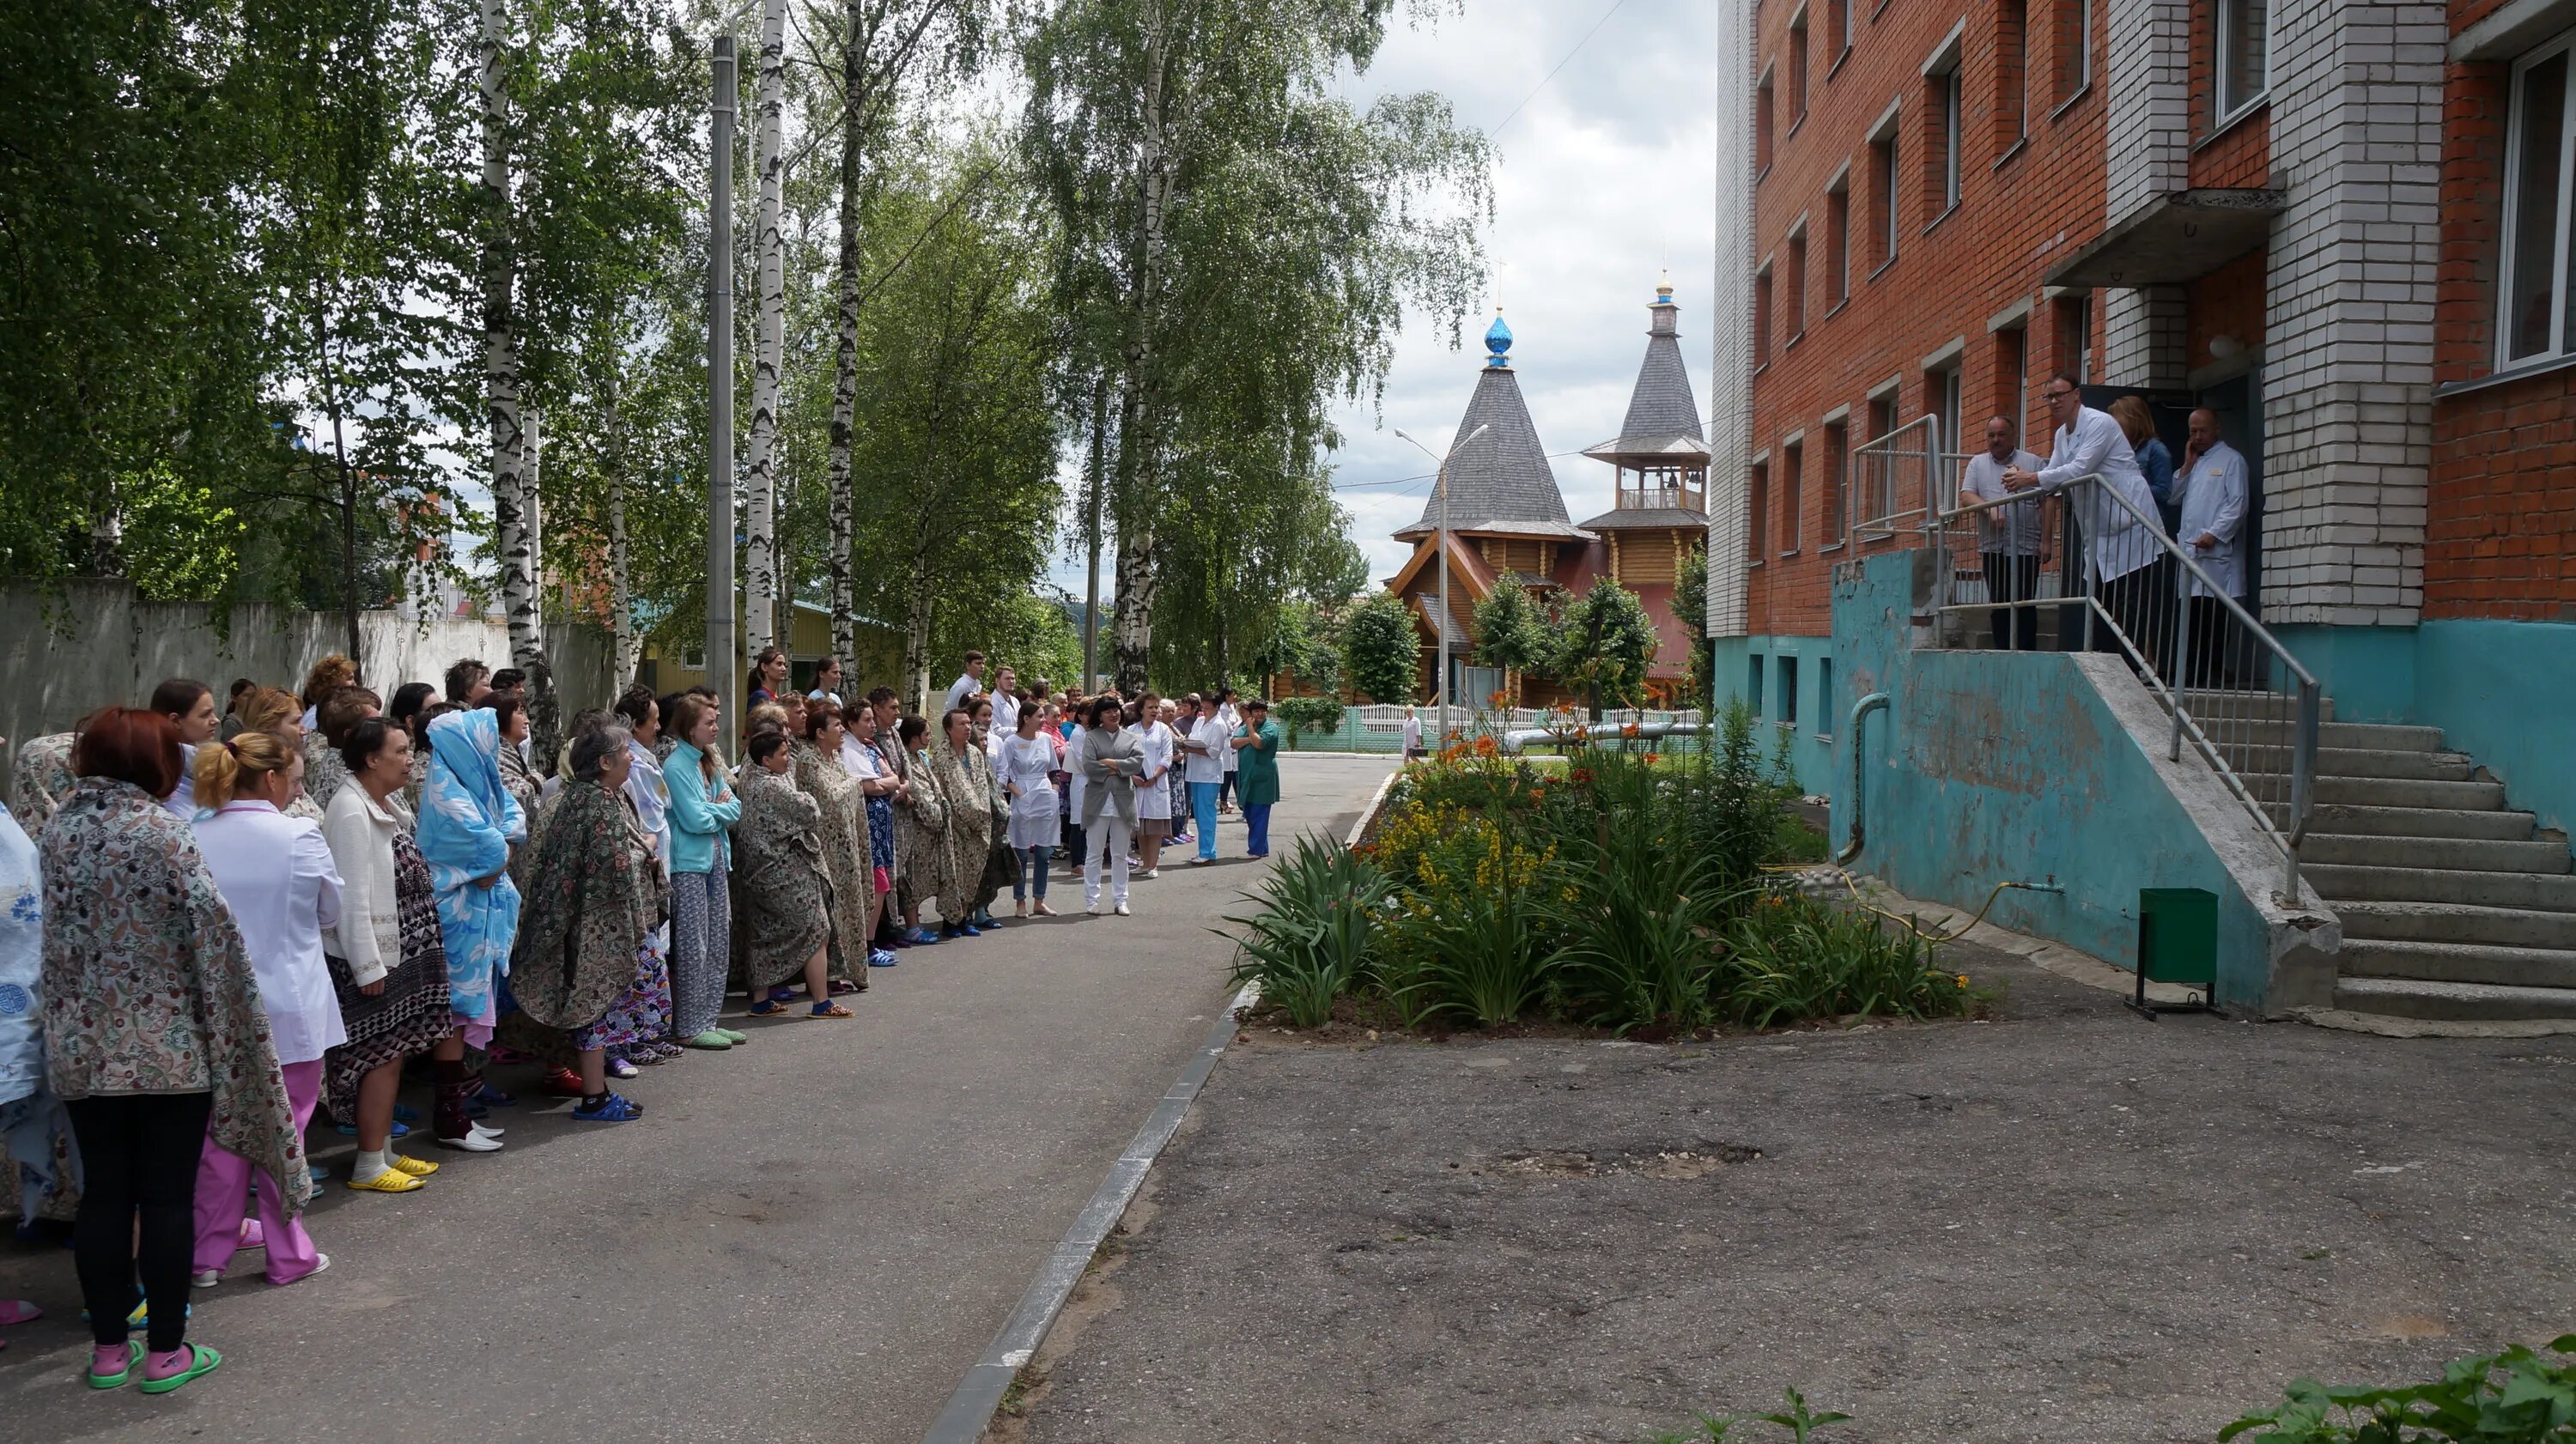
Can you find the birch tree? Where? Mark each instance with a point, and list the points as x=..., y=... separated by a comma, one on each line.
x=761, y=598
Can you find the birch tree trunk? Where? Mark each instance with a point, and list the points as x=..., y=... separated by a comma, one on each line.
x=1139, y=446
x=625, y=647
x=845, y=342
x=761, y=590
x=512, y=503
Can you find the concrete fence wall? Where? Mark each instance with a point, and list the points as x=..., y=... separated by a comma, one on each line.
x=95, y=642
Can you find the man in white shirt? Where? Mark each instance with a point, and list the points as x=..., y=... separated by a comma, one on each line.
x=1227, y=713
x=1006, y=702
x=2121, y=540
x=2214, y=494
x=1207, y=743
x=2011, y=539
x=968, y=683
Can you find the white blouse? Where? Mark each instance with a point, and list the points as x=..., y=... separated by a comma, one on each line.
x=368, y=933
x=276, y=875
x=1154, y=789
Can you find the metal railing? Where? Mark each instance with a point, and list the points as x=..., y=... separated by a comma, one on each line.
x=2083, y=566
x=1892, y=481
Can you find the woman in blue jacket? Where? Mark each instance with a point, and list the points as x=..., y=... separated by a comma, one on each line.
x=703, y=806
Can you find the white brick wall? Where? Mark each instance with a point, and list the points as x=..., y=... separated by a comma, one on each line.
x=1730, y=404
x=2145, y=333
x=2356, y=122
x=2149, y=131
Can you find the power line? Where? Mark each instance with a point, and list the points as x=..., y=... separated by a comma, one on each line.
x=1428, y=475
x=1560, y=65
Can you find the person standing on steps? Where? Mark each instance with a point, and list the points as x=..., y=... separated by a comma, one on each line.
x=275, y=874
x=1257, y=745
x=2012, y=540
x=1110, y=760
x=2212, y=490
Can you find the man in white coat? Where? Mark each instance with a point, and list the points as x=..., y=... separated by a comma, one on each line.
x=2121, y=539
x=2214, y=494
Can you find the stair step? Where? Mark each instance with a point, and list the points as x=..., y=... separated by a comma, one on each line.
x=2461, y=963
x=2280, y=705
x=2348, y=820
x=2382, y=791
x=2454, y=1002
x=2337, y=882
x=2375, y=736
x=2350, y=762
x=2448, y=853
x=2433, y=922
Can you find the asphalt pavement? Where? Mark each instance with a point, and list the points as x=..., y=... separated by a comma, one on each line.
x=808, y=1238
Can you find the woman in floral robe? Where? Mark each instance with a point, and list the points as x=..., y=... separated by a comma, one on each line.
x=844, y=833
x=966, y=781
x=920, y=825
x=593, y=890
x=41, y=780
x=783, y=889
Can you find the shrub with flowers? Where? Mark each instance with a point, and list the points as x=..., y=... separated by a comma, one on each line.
x=1618, y=893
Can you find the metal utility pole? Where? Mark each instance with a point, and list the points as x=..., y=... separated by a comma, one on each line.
x=722, y=673
x=1440, y=484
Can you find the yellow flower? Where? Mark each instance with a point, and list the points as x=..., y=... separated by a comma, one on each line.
x=1963, y=980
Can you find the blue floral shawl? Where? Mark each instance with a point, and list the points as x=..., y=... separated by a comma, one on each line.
x=468, y=822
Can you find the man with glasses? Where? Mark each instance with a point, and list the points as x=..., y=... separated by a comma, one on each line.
x=2120, y=541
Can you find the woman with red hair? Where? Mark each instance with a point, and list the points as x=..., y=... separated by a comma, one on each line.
x=154, y=1040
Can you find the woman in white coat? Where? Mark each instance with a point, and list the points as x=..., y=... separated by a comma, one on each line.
x=277, y=878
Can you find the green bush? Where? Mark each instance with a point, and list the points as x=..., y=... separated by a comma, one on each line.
x=2513, y=1397
x=1790, y=956
x=1307, y=714
x=1310, y=941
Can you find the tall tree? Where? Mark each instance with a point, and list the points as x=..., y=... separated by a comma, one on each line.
x=1511, y=634
x=769, y=334
x=513, y=509
x=1381, y=648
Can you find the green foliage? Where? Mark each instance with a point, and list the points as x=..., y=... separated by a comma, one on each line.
x=2517, y=1396
x=1690, y=608
x=1639, y=910
x=1601, y=644
x=1381, y=650
x=1789, y=957
x=1301, y=645
x=1307, y=714
x=1511, y=631
x=1314, y=934
x=1801, y=1422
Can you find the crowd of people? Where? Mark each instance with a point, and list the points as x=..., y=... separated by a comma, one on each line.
x=215, y=922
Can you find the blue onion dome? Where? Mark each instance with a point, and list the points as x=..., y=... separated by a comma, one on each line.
x=1498, y=340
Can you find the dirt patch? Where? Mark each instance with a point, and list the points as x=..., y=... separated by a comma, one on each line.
x=1671, y=1164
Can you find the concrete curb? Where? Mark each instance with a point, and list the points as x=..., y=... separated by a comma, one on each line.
x=970, y=1409
x=1376, y=800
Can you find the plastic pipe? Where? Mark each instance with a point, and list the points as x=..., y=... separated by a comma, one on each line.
x=1874, y=702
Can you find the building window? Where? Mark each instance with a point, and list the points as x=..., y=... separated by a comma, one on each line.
x=1794, y=303
x=1764, y=124
x=1827, y=705
x=1941, y=96
x=2075, y=336
x=1941, y=397
x=1788, y=692
x=1882, y=195
x=1835, y=479
x=1792, y=495
x=2244, y=32
x=1838, y=244
x=1837, y=31
x=1878, y=468
x=2012, y=69
x=1757, y=503
x=1753, y=665
x=1797, y=69
x=1762, y=316
x=2537, y=148
x=2074, y=48
x=2012, y=380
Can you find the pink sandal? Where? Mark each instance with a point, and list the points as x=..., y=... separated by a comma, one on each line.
x=18, y=1311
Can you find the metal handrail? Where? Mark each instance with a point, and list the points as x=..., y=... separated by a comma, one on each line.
x=1886, y=524
x=2308, y=724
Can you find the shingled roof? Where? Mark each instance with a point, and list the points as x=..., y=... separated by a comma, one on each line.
x=1663, y=415
x=1499, y=481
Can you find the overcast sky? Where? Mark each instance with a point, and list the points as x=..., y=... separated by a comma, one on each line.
x=1603, y=181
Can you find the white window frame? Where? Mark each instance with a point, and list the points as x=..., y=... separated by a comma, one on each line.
x=1944, y=68
x=2562, y=336
x=2221, y=28
x=1887, y=196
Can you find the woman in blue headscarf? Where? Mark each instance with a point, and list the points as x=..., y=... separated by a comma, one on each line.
x=468, y=824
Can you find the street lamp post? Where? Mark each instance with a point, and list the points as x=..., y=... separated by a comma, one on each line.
x=1440, y=484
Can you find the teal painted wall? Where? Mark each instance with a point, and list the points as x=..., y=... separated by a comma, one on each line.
x=1823, y=699
x=2503, y=692
x=1990, y=766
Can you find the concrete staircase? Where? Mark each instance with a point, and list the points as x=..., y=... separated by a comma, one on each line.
x=2454, y=907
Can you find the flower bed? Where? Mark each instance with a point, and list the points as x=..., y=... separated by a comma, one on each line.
x=1621, y=889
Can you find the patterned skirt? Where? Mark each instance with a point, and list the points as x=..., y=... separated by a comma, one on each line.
x=411, y=1013
x=643, y=1013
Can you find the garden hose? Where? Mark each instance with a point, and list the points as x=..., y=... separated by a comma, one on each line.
x=1910, y=924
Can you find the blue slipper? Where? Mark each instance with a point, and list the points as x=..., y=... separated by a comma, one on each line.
x=350, y=1130
x=612, y=1108
x=882, y=959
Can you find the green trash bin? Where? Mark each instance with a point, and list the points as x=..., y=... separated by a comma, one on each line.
x=2177, y=943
